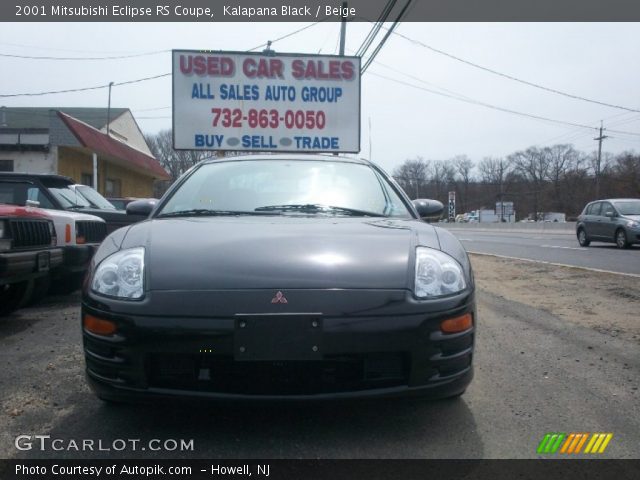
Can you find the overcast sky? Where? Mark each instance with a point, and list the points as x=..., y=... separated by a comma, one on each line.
x=598, y=61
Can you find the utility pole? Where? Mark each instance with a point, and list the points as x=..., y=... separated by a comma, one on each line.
x=343, y=29
x=343, y=34
x=109, y=108
x=600, y=138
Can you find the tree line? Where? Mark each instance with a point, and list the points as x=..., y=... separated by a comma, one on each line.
x=557, y=178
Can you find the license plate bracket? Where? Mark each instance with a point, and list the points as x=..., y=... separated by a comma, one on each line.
x=278, y=338
x=43, y=260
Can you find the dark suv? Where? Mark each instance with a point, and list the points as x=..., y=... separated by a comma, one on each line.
x=614, y=220
x=56, y=192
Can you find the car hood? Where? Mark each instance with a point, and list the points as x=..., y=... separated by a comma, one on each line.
x=635, y=218
x=69, y=215
x=213, y=253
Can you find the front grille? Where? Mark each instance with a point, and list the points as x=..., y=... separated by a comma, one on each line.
x=452, y=355
x=30, y=233
x=221, y=374
x=93, y=232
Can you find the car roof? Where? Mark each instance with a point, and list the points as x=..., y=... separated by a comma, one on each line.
x=50, y=176
x=292, y=156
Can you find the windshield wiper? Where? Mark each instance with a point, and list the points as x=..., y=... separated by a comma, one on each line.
x=203, y=212
x=318, y=208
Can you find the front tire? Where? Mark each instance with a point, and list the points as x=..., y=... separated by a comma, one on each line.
x=621, y=239
x=456, y=396
x=39, y=289
x=11, y=297
x=583, y=240
x=67, y=284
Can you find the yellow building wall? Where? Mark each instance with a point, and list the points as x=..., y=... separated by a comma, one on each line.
x=73, y=163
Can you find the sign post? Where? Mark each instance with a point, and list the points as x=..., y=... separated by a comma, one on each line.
x=452, y=206
x=265, y=102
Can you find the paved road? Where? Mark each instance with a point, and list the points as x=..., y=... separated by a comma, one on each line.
x=534, y=374
x=549, y=247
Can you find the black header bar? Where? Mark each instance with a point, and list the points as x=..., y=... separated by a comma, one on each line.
x=318, y=10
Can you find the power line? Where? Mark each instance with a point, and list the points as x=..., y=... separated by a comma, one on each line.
x=574, y=134
x=72, y=90
x=511, y=77
x=484, y=104
x=384, y=39
x=635, y=134
x=129, y=82
x=375, y=29
x=151, y=109
x=21, y=45
x=118, y=57
x=287, y=35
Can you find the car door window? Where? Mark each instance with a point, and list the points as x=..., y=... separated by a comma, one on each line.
x=36, y=194
x=594, y=208
x=607, y=208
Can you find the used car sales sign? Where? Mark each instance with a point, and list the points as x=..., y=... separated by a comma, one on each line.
x=265, y=102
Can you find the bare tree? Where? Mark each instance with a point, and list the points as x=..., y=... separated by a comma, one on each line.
x=562, y=158
x=626, y=168
x=412, y=176
x=442, y=175
x=464, y=166
x=494, y=171
x=175, y=162
x=533, y=165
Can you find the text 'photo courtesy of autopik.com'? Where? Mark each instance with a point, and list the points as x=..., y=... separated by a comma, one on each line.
x=364, y=239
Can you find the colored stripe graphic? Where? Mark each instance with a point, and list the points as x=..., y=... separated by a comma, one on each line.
x=551, y=442
x=598, y=443
x=572, y=443
x=581, y=442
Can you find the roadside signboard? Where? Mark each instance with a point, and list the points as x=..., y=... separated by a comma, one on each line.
x=265, y=102
x=504, y=208
x=452, y=206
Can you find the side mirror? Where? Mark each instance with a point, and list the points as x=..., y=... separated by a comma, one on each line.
x=141, y=207
x=609, y=213
x=428, y=208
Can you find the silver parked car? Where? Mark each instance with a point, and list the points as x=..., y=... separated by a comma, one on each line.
x=614, y=220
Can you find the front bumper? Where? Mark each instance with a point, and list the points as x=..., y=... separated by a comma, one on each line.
x=77, y=257
x=633, y=235
x=376, y=353
x=26, y=265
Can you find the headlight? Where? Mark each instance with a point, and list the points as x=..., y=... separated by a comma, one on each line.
x=5, y=243
x=121, y=274
x=437, y=274
x=52, y=233
x=630, y=224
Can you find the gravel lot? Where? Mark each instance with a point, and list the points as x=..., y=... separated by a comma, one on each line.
x=605, y=302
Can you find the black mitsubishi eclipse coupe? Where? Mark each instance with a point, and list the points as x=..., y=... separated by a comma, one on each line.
x=280, y=277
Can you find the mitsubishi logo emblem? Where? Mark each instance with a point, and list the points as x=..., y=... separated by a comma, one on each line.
x=279, y=298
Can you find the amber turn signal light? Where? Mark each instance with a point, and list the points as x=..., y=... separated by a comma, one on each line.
x=457, y=324
x=98, y=326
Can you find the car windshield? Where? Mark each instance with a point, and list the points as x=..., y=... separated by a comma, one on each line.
x=631, y=207
x=286, y=187
x=17, y=193
x=94, y=197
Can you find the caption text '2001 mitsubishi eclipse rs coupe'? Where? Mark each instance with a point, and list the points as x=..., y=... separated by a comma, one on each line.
x=280, y=277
